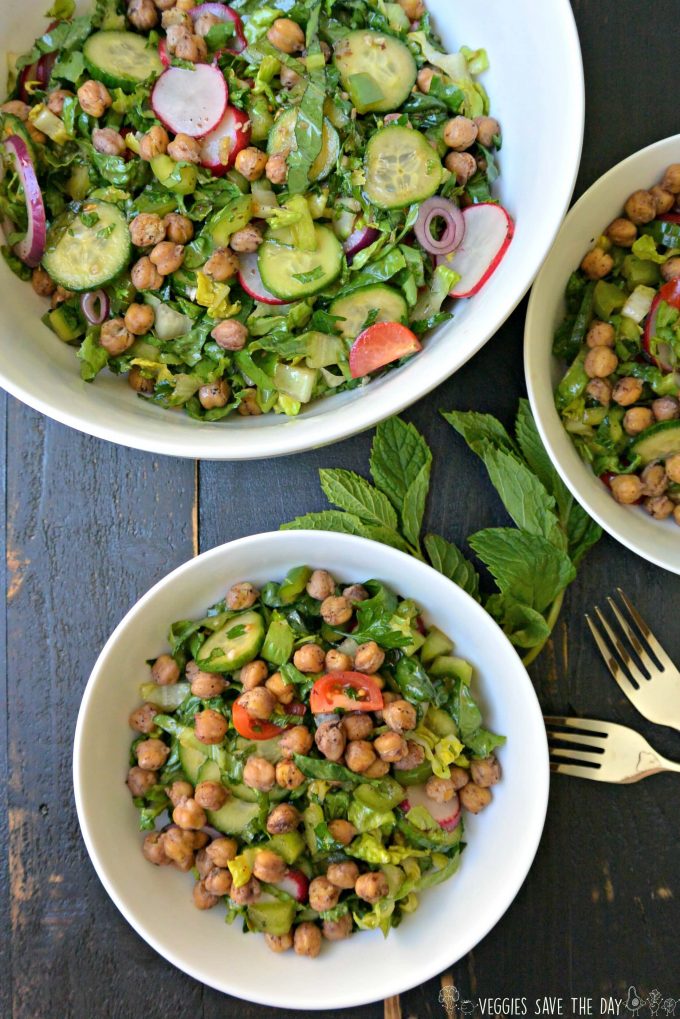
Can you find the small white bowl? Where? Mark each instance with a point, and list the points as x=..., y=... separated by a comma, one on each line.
x=536, y=87
x=655, y=540
x=451, y=918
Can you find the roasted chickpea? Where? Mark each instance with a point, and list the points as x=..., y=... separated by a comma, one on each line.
x=663, y=200
x=655, y=482
x=627, y=391
x=140, y=382
x=179, y=791
x=281, y=688
x=173, y=17
x=336, y=930
x=17, y=109
x=153, y=851
x=188, y=814
x=269, y=866
x=321, y=585
x=424, y=79
x=108, y=141
x=297, y=740
x=178, y=846
x=287, y=36
x=164, y=5
x=626, y=488
x=600, y=362
x=115, y=338
x=221, y=851
x=145, y=276
x=354, y=593
x=289, y=78
x=414, y=757
x=400, y=716
x=37, y=136
x=258, y=702
x=462, y=165
x=474, y=797
x=146, y=230
x=203, y=24
x=249, y=407
x=637, y=419
x=152, y=754
x=369, y=657
x=336, y=610
x=246, y=240
x=200, y=839
x=251, y=162
x=441, y=790
x=622, y=232
x=378, y=769
x=139, y=319
x=210, y=795
x=671, y=180
x=357, y=725
x=670, y=270
x=323, y=894
x=600, y=390
x=94, y=98
x=204, y=684
x=601, y=334
x=165, y=670
x=359, y=755
x=309, y=658
x=218, y=882
x=211, y=726
x=140, y=780
x=337, y=661
x=42, y=283
x=288, y=775
x=167, y=257
x=184, y=149
x=230, y=335
x=154, y=143
x=214, y=394
x=192, y=48
x=391, y=746
x=371, y=886
x=247, y=893
x=597, y=264
x=641, y=207
x=342, y=831
x=307, y=940
x=178, y=229
x=485, y=772
x=56, y=100
x=666, y=408
x=659, y=506
x=414, y=9
x=222, y=265
x=460, y=133
x=59, y=296
x=253, y=674
x=488, y=130
x=459, y=776
x=343, y=875
x=203, y=899
x=259, y=773
x=673, y=468
x=279, y=942
x=331, y=740
x=282, y=819
x=142, y=720
x=276, y=168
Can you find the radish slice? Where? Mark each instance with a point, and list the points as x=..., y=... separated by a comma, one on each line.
x=670, y=293
x=447, y=815
x=220, y=148
x=31, y=249
x=190, y=102
x=488, y=232
x=296, y=884
x=224, y=13
x=251, y=281
x=379, y=345
x=163, y=53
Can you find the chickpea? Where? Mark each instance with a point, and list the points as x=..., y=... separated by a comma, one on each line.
x=289, y=78
x=372, y=886
x=357, y=725
x=666, y=408
x=114, y=337
x=211, y=726
x=671, y=180
x=622, y=232
x=637, y=419
x=336, y=610
x=184, y=149
x=178, y=229
x=269, y=866
x=354, y=593
x=488, y=129
x=204, y=684
x=247, y=893
x=56, y=100
x=146, y=230
x=140, y=780
x=663, y=200
x=142, y=720
x=203, y=24
x=309, y=658
x=140, y=382
x=336, y=930
x=287, y=36
x=108, y=141
x=259, y=773
x=258, y=702
x=282, y=819
x=17, y=109
x=307, y=936
x=192, y=48
x=177, y=34
x=249, y=407
x=378, y=769
x=145, y=276
x=297, y=740
x=369, y=657
x=359, y=755
x=391, y=746
x=242, y=596
x=154, y=143
x=414, y=9
x=279, y=942
x=222, y=265
x=230, y=335
x=221, y=851
x=38, y=137
x=342, y=831
x=600, y=334
x=185, y=5
x=627, y=391
x=164, y=5
x=462, y=165
x=281, y=688
x=597, y=264
x=288, y=775
x=178, y=846
x=641, y=207
x=600, y=390
x=246, y=240
x=331, y=740
x=165, y=670
x=94, y=98
x=179, y=791
x=188, y=814
x=400, y=716
x=337, y=661
x=59, y=296
x=253, y=674
x=323, y=894
x=343, y=875
x=153, y=851
x=276, y=168
x=174, y=17
x=167, y=257
x=42, y=283
x=485, y=772
x=424, y=79
x=600, y=362
x=203, y=899
x=670, y=270
x=139, y=319
x=459, y=776
x=218, y=882
x=441, y=790
x=673, y=468
x=474, y=797
x=152, y=754
x=460, y=133
x=414, y=757
x=321, y=585
x=626, y=489
x=655, y=483
x=210, y=795
x=251, y=162
x=659, y=507
x=214, y=394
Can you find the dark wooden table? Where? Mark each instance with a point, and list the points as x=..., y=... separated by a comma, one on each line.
x=89, y=527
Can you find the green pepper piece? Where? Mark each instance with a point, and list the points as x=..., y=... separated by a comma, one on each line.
x=607, y=299
x=294, y=584
x=640, y=272
x=575, y=381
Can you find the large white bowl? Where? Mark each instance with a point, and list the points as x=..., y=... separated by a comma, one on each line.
x=451, y=918
x=655, y=540
x=536, y=88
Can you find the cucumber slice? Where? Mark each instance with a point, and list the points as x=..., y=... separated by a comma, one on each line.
x=272, y=917
x=192, y=762
x=282, y=139
x=209, y=771
x=86, y=255
x=270, y=749
x=121, y=59
x=377, y=70
x=356, y=308
x=234, y=816
x=291, y=273
x=659, y=442
x=236, y=644
x=401, y=168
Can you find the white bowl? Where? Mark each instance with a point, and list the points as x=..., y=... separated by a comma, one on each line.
x=451, y=918
x=655, y=540
x=536, y=88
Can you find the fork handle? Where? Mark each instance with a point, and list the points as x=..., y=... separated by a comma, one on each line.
x=666, y=765
x=651, y=764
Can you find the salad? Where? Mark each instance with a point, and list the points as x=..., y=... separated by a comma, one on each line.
x=620, y=397
x=242, y=208
x=315, y=747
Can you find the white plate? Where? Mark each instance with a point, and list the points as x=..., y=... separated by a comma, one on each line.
x=655, y=540
x=451, y=918
x=536, y=88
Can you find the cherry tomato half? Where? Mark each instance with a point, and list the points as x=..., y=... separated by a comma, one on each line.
x=380, y=344
x=670, y=293
x=252, y=728
x=351, y=691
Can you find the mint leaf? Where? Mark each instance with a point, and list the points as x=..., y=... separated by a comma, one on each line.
x=450, y=561
x=387, y=536
x=536, y=456
x=327, y=520
x=398, y=454
x=525, y=566
x=582, y=533
x=479, y=429
x=413, y=508
x=523, y=495
x=524, y=626
x=353, y=493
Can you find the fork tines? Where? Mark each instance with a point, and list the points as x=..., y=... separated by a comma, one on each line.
x=584, y=732
x=625, y=669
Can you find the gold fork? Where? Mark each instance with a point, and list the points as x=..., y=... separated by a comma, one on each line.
x=602, y=751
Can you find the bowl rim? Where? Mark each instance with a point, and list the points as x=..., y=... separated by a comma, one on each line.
x=527, y=847
x=542, y=407
x=363, y=413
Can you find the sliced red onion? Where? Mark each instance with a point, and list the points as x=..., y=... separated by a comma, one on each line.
x=224, y=13
x=454, y=230
x=95, y=306
x=360, y=239
x=31, y=249
x=29, y=73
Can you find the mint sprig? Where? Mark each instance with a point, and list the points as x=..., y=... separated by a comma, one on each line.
x=532, y=563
